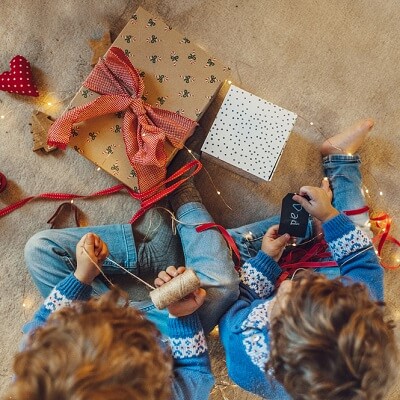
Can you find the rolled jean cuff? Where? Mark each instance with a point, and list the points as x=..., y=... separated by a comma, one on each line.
x=355, y=158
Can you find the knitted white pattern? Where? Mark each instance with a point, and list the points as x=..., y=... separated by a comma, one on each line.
x=189, y=346
x=254, y=343
x=349, y=243
x=254, y=279
x=56, y=300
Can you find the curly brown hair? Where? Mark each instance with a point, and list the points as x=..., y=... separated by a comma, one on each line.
x=99, y=349
x=332, y=342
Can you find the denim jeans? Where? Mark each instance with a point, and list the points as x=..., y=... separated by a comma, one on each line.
x=343, y=172
x=50, y=257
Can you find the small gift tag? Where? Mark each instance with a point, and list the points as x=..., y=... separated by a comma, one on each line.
x=294, y=218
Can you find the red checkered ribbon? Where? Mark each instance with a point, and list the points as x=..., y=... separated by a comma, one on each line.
x=145, y=128
x=147, y=198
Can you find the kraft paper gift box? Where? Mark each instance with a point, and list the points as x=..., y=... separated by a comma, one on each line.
x=248, y=135
x=178, y=76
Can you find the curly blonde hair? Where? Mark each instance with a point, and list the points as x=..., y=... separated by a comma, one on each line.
x=331, y=342
x=100, y=349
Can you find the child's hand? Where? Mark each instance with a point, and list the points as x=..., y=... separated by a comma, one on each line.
x=187, y=305
x=96, y=252
x=319, y=203
x=273, y=244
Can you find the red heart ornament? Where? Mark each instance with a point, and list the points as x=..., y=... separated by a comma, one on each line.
x=19, y=79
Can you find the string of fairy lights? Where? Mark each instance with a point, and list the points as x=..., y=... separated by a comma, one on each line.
x=47, y=102
x=380, y=229
x=51, y=102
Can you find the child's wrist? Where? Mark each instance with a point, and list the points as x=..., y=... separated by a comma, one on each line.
x=334, y=213
x=83, y=278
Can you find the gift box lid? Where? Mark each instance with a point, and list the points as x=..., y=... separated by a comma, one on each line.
x=249, y=133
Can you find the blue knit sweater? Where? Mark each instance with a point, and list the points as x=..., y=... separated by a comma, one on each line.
x=193, y=379
x=244, y=329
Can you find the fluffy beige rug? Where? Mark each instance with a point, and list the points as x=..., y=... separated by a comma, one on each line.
x=329, y=62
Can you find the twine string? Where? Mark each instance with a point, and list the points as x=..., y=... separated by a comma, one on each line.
x=119, y=266
x=172, y=291
x=130, y=273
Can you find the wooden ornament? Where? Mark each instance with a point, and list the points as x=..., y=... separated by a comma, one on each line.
x=176, y=289
x=99, y=47
x=40, y=126
x=62, y=217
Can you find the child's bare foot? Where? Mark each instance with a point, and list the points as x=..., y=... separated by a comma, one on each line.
x=348, y=141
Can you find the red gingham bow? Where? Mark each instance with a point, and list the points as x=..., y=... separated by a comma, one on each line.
x=145, y=128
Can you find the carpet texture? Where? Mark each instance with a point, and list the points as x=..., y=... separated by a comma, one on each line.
x=330, y=62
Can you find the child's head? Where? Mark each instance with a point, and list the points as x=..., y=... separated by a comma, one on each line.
x=330, y=341
x=100, y=349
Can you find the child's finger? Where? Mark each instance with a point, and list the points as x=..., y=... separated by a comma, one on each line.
x=81, y=241
x=181, y=270
x=309, y=191
x=164, y=276
x=103, y=252
x=325, y=184
x=89, y=240
x=282, y=241
x=302, y=201
x=173, y=271
x=272, y=231
x=158, y=282
x=98, y=244
x=199, y=296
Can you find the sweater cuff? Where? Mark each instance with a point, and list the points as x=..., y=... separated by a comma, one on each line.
x=74, y=289
x=186, y=337
x=260, y=274
x=184, y=326
x=265, y=264
x=337, y=226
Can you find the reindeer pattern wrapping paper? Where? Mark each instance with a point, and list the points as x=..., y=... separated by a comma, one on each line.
x=178, y=76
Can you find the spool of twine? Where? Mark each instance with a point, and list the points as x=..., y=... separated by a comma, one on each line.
x=176, y=289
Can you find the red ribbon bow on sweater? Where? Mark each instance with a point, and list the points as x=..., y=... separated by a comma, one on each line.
x=145, y=128
x=299, y=258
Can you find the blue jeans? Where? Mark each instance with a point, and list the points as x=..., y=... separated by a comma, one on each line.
x=50, y=257
x=344, y=175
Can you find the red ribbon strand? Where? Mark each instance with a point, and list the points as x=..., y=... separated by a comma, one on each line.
x=305, y=258
x=227, y=237
x=147, y=198
x=383, y=222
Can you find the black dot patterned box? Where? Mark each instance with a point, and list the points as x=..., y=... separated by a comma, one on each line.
x=249, y=133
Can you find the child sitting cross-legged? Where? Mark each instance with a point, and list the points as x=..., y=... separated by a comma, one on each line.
x=324, y=334
x=81, y=348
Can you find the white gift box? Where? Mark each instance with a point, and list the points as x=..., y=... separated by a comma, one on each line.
x=249, y=133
